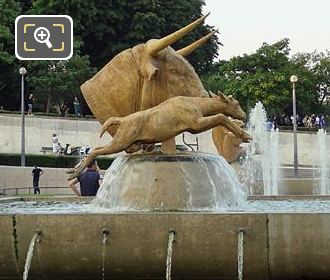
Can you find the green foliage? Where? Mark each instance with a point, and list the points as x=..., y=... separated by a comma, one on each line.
x=319, y=65
x=264, y=76
x=102, y=29
x=109, y=27
x=50, y=161
x=9, y=10
x=59, y=82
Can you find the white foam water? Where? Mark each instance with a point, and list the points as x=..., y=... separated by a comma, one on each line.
x=251, y=206
x=198, y=179
x=262, y=157
x=323, y=164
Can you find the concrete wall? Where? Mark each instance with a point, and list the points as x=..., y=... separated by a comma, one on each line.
x=308, y=148
x=77, y=132
x=276, y=246
x=12, y=177
x=39, y=132
x=54, y=181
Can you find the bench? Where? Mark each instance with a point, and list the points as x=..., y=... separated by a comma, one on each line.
x=45, y=149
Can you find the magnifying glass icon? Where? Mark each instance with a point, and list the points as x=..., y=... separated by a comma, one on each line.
x=41, y=35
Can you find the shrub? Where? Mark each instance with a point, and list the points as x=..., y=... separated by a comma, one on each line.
x=50, y=161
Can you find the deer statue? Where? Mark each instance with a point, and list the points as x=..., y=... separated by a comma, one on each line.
x=165, y=121
x=144, y=76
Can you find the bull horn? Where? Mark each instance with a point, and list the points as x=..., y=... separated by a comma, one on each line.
x=157, y=45
x=190, y=48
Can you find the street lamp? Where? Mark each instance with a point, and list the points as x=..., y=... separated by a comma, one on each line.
x=293, y=80
x=22, y=71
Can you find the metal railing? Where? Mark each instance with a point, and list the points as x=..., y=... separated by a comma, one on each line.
x=30, y=190
x=191, y=145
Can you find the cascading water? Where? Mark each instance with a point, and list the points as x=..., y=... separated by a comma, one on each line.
x=275, y=164
x=323, y=167
x=240, y=254
x=261, y=159
x=169, y=254
x=165, y=183
x=30, y=255
x=104, y=242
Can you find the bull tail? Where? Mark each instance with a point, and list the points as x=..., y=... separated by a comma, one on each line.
x=109, y=122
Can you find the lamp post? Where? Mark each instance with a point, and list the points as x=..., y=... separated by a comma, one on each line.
x=22, y=71
x=293, y=80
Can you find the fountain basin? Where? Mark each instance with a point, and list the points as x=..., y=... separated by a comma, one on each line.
x=291, y=186
x=276, y=245
x=184, y=182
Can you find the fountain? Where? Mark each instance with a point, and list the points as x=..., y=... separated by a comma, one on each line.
x=104, y=242
x=323, y=167
x=240, y=254
x=171, y=214
x=261, y=163
x=169, y=254
x=30, y=255
x=182, y=182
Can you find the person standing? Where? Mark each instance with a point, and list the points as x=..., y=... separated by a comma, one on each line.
x=76, y=106
x=89, y=181
x=322, y=122
x=317, y=121
x=36, y=173
x=30, y=104
x=56, y=144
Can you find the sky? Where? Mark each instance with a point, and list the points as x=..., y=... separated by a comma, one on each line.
x=245, y=24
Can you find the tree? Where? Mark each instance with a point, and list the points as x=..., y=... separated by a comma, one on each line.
x=58, y=82
x=264, y=76
x=319, y=65
x=109, y=27
x=104, y=28
x=9, y=10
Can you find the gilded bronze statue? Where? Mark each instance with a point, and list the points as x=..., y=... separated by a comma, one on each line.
x=144, y=76
x=150, y=93
x=166, y=120
x=227, y=143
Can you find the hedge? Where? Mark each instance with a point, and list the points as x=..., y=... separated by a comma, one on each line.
x=42, y=114
x=300, y=128
x=50, y=161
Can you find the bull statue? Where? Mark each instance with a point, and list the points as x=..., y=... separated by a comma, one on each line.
x=165, y=121
x=227, y=143
x=143, y=77
x=138, y=80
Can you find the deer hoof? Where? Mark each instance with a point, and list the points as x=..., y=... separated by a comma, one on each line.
x=246, y=138
x=73, y=175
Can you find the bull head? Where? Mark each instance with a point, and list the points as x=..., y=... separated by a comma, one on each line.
x=144, y=76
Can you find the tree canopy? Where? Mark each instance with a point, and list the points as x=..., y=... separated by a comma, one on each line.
x=102, y=29
x=264, y=76
x=109, y=27
x=9, y=10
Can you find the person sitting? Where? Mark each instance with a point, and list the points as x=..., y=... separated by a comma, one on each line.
x=89, y=181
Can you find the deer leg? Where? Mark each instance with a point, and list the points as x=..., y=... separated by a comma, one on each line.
x=236, y=129
x=112, y=148
x=206, y=123
x=123, y=139
x=168, y=147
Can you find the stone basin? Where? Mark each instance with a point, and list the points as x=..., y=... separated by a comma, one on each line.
x=276, y=245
